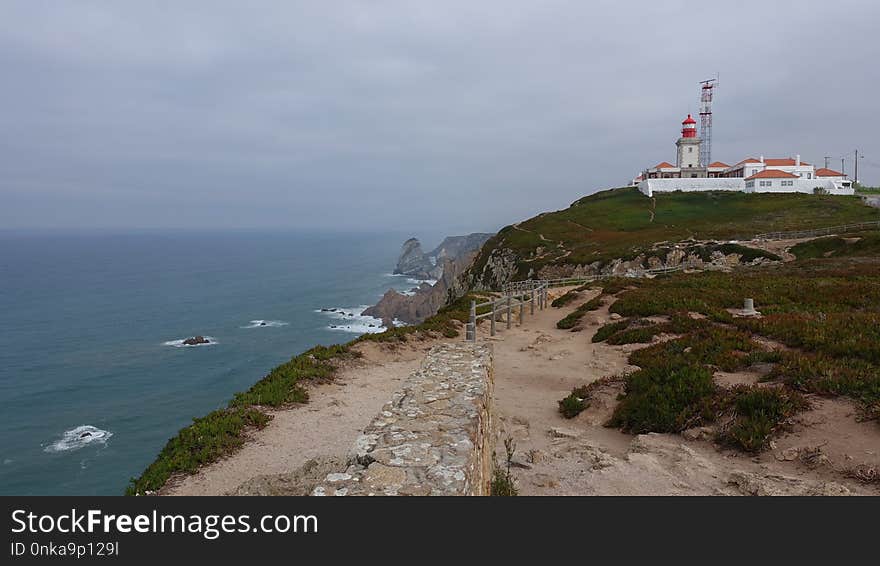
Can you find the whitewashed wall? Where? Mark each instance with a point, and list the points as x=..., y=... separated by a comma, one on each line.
x=651, y=186
x=806, y=186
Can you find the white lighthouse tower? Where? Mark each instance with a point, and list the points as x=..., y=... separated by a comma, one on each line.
x=688, y=156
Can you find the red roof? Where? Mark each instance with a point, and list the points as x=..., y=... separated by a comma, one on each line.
x=786, y=162
x=825, y=172
x=747, y=160
x=719, y=164
x=689, y=120
x=663, y=164
x=772, y=174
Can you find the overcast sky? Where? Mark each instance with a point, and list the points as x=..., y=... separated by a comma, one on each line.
x=453, y=116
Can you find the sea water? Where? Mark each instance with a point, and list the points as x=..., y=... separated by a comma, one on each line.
x=94, y=374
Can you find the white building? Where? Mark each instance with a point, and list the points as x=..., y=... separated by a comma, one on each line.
x=777, y=175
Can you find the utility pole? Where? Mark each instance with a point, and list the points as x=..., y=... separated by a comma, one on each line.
x=843, y=165
x=856, y=180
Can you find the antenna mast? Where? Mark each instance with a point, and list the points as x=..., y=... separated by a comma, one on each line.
x=706, y=93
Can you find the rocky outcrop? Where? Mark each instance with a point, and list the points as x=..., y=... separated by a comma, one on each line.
x=426, y=299
x=504, y=265
x=453, y=247
x=196, y=340
x=413, y=261
x=659, y=464
x=435, y=435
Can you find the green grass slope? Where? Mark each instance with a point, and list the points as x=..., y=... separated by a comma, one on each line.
x=617, y=223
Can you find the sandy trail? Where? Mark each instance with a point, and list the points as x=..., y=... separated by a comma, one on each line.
x=536, y=365
x=327, y=425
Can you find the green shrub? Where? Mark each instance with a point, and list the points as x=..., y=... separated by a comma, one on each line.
x=610, y=329
x=820, y=374
x=204, y=441
x=572, y=405
x=664, y=399
x=637, y=335
x=575, y=316
x=759, y=412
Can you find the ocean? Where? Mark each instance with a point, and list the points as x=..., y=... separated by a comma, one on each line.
x=94, y=377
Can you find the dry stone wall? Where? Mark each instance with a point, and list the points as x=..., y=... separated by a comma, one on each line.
x=434, y=437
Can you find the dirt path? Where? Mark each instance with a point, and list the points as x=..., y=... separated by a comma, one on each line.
x=536, y=365
x=327, y=426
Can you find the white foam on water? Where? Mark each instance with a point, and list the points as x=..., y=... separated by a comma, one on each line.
x=180, y=343
x=265, y=324
x=79, y=437
x=351, y=319
x=430, y=282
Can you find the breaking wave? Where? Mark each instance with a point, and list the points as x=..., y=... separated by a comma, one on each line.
x=79, y=437
x=266, y=324
x=351, y=319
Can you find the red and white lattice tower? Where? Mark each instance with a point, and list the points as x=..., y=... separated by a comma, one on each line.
x=706, y=94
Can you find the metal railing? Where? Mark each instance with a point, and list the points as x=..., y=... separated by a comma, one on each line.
x=843, y=229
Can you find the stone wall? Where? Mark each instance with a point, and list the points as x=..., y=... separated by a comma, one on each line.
x=434, y=437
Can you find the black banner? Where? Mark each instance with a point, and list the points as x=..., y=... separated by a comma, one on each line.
x=144, y=530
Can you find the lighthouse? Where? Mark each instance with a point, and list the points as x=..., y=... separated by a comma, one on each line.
x=688, y=156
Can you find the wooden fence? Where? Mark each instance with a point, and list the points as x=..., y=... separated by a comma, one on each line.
x=533, y=292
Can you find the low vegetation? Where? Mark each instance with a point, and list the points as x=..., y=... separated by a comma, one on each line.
x=575, y=403
x=664, y=398
x=204, y=441
x=568, y=297
x=823, y=310
x=758, y=412
x=574, y=318
x=503, y=484
x=860, y=244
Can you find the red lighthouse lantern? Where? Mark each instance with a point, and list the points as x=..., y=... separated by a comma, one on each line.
x=689, y=127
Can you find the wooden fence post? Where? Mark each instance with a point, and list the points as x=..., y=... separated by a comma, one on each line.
x=532, y=303
x=473, y=323
x=522, y=308
x=509, y=311
x=494, y=315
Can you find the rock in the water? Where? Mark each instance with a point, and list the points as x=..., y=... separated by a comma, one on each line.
x=196, y=340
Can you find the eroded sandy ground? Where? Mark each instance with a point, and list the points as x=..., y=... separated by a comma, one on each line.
x=536, y=365
x=325, y=428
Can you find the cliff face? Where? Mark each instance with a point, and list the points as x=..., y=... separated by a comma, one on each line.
x=503, y=265
x=427, y=299
x=413, y=261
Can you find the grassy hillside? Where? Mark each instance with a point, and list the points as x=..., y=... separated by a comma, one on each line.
x=618, y=222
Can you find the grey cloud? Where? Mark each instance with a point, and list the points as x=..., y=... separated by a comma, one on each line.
x=448, y=115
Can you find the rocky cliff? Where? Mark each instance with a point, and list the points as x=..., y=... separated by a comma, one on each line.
x=427, y=299
x=503, y=264
x=413, y=261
